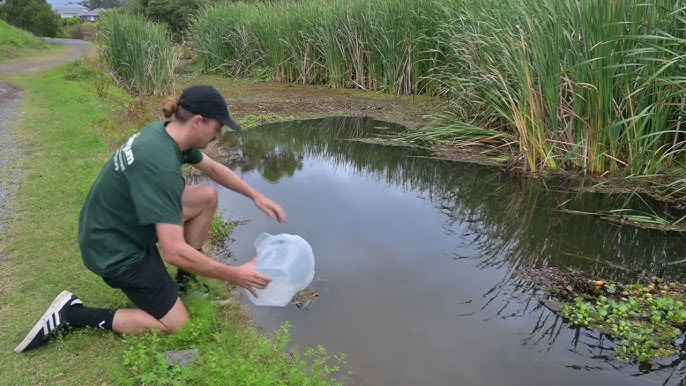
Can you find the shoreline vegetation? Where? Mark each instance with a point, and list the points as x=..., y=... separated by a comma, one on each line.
x=644, y=319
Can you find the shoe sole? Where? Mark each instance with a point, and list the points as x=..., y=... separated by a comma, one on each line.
x=58, y=303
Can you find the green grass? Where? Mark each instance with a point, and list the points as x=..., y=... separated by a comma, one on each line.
x=37, y=54
x=15, y=42
x=258, y=119
x=62, y=127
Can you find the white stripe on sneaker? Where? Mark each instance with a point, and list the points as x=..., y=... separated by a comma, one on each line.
x=46, y=323
x=76, y=301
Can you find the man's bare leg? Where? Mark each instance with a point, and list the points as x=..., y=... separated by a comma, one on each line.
x=67, y=311
x=136, y=321
x=199, y=204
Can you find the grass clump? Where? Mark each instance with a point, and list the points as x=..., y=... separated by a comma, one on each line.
x=232, y=353
x=140, y=53
x=452, y=133
x=380, y=45
x=582, y=85
x=635, y=218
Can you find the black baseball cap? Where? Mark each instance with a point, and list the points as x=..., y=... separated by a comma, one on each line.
x=207, y=101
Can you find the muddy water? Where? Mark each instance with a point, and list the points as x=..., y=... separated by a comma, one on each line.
x=417, y=260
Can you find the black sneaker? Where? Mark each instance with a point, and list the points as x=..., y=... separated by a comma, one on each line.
x=186, y=280
x=54, y=319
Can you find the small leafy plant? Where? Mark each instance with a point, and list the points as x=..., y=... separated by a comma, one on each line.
x=644, y=320
x=219, y=235
x=231, y=353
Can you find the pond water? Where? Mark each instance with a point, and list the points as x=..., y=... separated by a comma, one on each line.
x=417, y=259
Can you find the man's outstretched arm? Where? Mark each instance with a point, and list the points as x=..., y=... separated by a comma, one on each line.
x=227, y=178
x=177, y=252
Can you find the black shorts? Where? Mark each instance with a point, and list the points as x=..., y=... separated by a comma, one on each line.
x=148, y=284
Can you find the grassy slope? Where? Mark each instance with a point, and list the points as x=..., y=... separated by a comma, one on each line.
x=15, y=42
x=65, y=152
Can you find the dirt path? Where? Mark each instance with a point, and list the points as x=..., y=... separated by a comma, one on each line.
x=77, y=49
x=11, y=147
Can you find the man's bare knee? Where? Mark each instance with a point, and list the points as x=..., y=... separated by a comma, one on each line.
x=136, y=321
x=210, y=196
x=174, y=328
x=198, y=200
x=176, y=318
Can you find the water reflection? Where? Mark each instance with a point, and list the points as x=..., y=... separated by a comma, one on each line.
x=490, y=226
x=516, y=217
x=272, y=162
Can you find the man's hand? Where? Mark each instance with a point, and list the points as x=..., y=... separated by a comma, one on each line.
x=248, y=277
x=270, y=208
x=227, y=178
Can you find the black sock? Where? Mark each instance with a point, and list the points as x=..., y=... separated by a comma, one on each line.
x=79, y=316
x=183, y=277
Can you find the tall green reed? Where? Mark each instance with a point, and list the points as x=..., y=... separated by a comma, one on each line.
x=588, y=85
x=381, y=45
x=139, y=53
x=579, y=82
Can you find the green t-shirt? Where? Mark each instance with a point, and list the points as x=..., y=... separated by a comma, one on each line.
x=139, y=187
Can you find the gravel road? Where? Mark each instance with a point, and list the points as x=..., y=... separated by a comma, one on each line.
x=12, y=152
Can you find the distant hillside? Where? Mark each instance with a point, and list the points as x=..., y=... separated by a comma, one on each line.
x=14, y=41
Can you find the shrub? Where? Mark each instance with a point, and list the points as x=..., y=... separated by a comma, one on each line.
x=85, y=31
x=35, y=16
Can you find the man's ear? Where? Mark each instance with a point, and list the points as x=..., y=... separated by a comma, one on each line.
x=196, y=121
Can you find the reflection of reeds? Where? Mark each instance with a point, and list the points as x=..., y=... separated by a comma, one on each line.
x=514, y=221
x=511, y=223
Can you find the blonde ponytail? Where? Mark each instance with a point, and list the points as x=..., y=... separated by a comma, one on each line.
x=170, y=107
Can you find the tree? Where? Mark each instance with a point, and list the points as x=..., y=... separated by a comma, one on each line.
x=35, y=16
x=93, y=4
x=174, y=13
